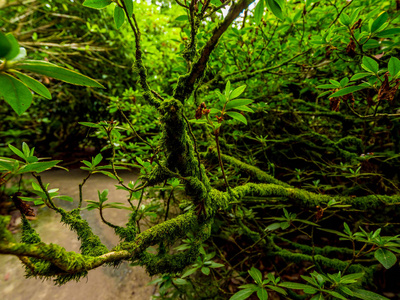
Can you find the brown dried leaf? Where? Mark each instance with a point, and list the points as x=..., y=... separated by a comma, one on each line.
x=22, y=206
x=351, y=48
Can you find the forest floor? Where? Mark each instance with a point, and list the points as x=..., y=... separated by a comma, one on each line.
x=104, y=283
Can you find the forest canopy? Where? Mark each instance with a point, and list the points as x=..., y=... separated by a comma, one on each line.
x=266, y=135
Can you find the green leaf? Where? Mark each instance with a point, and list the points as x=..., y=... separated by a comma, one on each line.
x=38, y=167
x=129, y=7
x=15, y=93
x=359, y=76
x=189, y=272
x=256, y=275
x=345, y=290
x=258, y=12
x=14, y=51
x=244, y=108
x=205, y=271
x=293, y=285
x=326, y=86
x=351, y=278
x=237, y=116
x=379, y=22
x=275, y=7
x=5, y=45
x=119, y=16
x=394, y=66
x=60, y=73
x=216, y=265
x=335, y=83
x=200, y=121
x=370, y=65
x=97, y=159
x=367, y=295
x=182, y=18
x=344, y=82
x=221, y=97
x=238, y=102
x=347, y=90
x=214, y=111
x=17, y=151
x=273, y=227
x=243, y=294
x=262, y=294
x=6, y=165
x=385, y=257
x=97, y=4
x=237, y=92
x=180, y=281
x=277, y=289
x=227, y=89
x=25, y=149
x=33, y=84
x=344, y=19
x=388, y=33
x=65, y=198
x=89, y=124
x=336, y=294
x=318, y=297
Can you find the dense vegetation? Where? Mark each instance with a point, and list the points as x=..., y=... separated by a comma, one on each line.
x=267, y=136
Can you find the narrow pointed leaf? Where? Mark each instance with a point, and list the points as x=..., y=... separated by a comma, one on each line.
x=129, y=7
x=17, y=151
x=227, y=89
x=15, y=93
x=60, y=73
x=38, y=167
x=347, y=90
x=379, y=22
x=237, y=116
x=238, y=102
x=262, y=294
x=237, y=92
x=119, y=16
x=367, y=295
x=256, y=275
x=33, y=84
x=243, y=294
x=244, y=108
x=258, y=12
x=275, y=7
x=293, y=285
x=97, y=4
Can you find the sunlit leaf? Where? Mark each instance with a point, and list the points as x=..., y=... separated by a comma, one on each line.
x=97, y=4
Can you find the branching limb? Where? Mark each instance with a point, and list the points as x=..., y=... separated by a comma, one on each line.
x=186, y=83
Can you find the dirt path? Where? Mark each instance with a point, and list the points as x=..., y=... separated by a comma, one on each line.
x=104, y=283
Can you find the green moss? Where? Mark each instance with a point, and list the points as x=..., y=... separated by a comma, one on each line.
x=308, y=199
x=167, y=231
x=128, y=233
x=90, y=243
